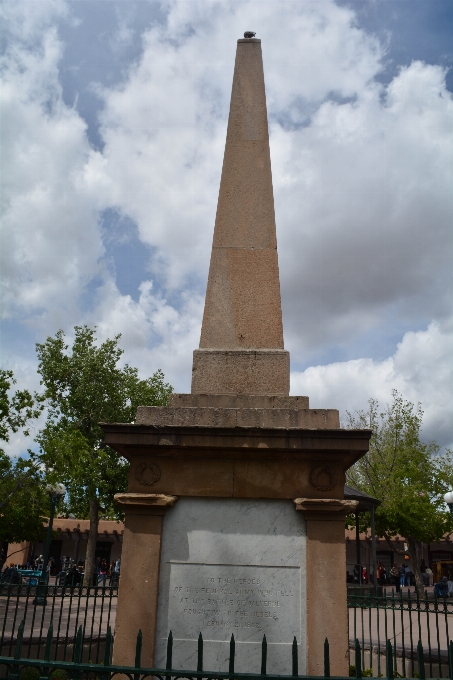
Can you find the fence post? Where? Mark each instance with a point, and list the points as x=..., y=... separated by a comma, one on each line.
x=20, y=635
x=326, y=659
x=200, y=653
x=48, y=642
x=138, y=653
x=169, y=651
x=450, y=659
x=78, y=646
x=295, y=658
x=421, y=661
x=358, y=660
x=389, y=660
x=263, y=655
x=232, y=652
x=108, y=647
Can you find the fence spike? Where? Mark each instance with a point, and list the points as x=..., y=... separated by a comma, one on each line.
x=326, y=659
x=358, y=660
x=389, y=660
x=20, y=635
x=263, y=655
x=108, y=647
x=78, y=646
x=421, y=661
x=169, y=651
x=48, y=642
x=138, y=649
x=232, y=652
x=200, y=653
x=295, y=655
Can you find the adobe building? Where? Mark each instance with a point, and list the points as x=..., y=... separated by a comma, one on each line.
x=234, y=513
x=70, y=538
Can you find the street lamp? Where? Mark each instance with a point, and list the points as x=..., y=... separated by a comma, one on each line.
x=448, y=498
x=56, y=493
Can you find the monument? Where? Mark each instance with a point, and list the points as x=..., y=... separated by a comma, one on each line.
x=234, y=514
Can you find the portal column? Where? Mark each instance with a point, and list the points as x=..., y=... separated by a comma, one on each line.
x=327, y=611
x=139, y=583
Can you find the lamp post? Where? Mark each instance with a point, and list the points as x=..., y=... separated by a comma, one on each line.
x=448, y=498
x=56, y=493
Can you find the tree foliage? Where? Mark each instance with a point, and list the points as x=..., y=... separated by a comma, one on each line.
x=16, y=410
x=84, y=385
x=23, y=501
x=408, y=476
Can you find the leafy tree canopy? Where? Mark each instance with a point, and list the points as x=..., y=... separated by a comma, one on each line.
x=408, y=476
x=23, y=501
x=84, y=385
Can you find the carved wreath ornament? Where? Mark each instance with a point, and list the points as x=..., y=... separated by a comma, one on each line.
x=147, y=473
x=323, y=477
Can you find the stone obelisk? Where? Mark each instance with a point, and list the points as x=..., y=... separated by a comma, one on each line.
x=234, y=513
x=241, y=346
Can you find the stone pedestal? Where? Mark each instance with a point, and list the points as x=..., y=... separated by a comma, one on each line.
x=252, y=539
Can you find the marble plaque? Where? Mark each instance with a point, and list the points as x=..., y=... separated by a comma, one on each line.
x=228, y=567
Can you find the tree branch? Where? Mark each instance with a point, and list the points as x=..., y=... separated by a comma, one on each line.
x=400, y=551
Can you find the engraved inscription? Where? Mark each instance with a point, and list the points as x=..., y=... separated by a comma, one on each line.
x=221, y=600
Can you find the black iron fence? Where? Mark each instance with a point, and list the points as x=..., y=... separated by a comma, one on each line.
x=67, y=608
x=402, y=618
x=405, y=619
x=17, y=667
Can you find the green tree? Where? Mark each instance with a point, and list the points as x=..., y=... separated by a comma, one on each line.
x=409, y=477
x=84, y=385
x=23, y=500
x=16, y=410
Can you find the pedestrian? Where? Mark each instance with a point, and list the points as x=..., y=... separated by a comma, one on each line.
x=396, y=577
x=102, y=572
x=450, y=581
x=408, y=575
x=379, y=573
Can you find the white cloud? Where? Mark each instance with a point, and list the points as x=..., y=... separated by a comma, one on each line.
x=50, y=238
x=421, y=370
x=362, y=177
x=154, y=334
x=363, y=194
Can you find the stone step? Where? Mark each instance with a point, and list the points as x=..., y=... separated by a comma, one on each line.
x=162, y=416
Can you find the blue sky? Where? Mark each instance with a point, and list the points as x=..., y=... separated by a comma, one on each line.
x=114, y=119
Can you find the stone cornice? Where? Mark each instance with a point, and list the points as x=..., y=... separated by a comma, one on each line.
x=146, y=499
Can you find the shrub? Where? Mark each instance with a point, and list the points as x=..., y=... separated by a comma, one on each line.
x=59, y=674
x=29, y=673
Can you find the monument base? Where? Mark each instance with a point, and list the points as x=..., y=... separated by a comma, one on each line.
x=245, y=498
x=257, y=371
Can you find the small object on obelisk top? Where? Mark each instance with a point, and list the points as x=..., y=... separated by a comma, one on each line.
x=241, y=347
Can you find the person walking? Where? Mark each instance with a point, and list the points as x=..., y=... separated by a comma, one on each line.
x=408, y=575
x=379, y=572
x=102, y=572
x=396, y=577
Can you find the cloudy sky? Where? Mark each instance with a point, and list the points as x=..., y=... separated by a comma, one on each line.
x=114, y=116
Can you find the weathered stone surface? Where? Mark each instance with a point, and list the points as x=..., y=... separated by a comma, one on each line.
x=237, y=401
x=243, y=306
x=165, y=416
x=240, y=372
x=232, y=566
